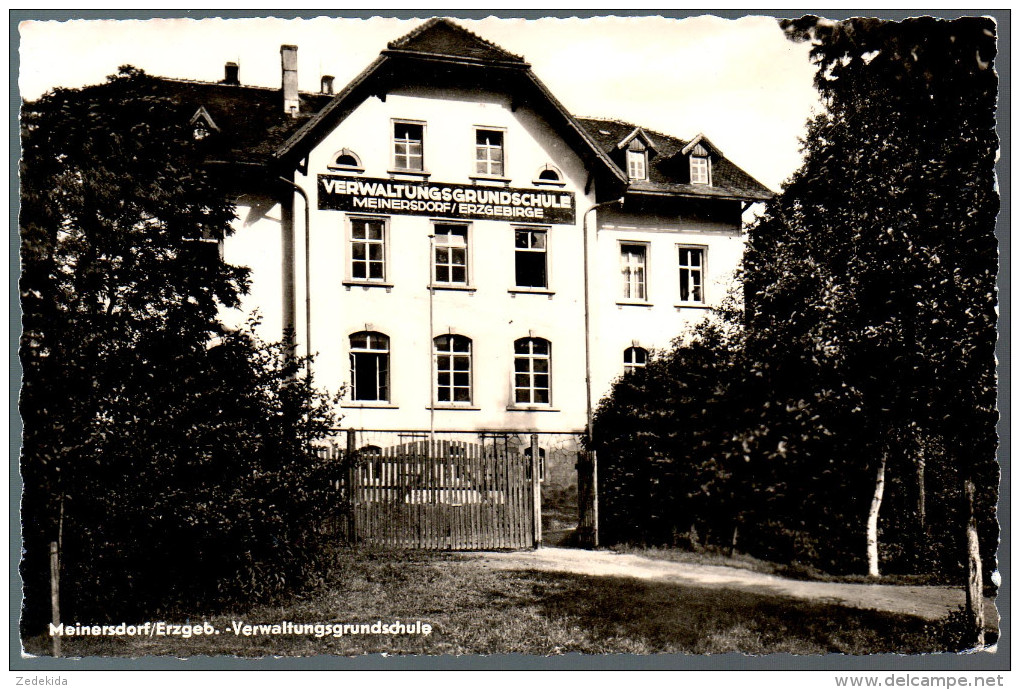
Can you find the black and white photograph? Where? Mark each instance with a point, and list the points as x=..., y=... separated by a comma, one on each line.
x=586, y=340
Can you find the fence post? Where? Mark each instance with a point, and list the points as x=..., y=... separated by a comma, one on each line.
x=536, y=488
x=587, y=500
x=55, y=594
x=352, y=488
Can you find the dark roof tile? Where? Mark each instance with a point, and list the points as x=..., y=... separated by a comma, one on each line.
x=251, y=119
x=440, y=36
x=666, y=168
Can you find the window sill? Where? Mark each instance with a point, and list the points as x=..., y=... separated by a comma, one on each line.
x=369, y=405
x=461, y=288
x=490, y=178
x=440, y=406
x=548, y=183
x=531, y=291
x=633, y=303
x=411, y=173
x=533, y=408
x=339, y=168
x=692, y=305
x=367, y=284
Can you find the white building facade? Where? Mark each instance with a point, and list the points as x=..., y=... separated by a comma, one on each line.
x=463, y=257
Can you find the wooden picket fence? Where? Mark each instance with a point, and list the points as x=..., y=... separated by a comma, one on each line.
x=444, y=495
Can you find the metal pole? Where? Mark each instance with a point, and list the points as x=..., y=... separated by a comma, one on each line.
x=429, y=344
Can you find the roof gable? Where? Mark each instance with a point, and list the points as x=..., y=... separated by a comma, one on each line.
x=510, y=71
x=441, y=37
x=703, y=141
x=640, y=135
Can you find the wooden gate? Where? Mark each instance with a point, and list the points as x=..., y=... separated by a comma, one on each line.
x=444, y=495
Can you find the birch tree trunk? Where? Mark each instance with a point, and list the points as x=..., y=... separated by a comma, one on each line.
x=975, y=583
x=872, y=530
x=921, y=509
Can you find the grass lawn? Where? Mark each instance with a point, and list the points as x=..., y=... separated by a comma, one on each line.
x=474, y=609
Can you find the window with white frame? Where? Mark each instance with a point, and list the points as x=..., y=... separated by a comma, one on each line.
x=700, y=170
x=368, y=249
x=633, y=262
x=637, y=164
x=530, y=258
x=489, y=152
x=453, y=369
x=370, y=366
x=692, y=274
x=634, y=358
x=450, y=256
x=532, y=371
x=408, y=140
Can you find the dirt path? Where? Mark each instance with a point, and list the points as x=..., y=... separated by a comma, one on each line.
x=924, y=601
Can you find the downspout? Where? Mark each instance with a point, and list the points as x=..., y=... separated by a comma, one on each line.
x=587, y=372
x=587, y=314
x=308, y=278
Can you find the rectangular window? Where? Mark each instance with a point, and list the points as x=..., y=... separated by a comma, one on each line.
x=632, y=269
x=530, y=258
x=532, y=362
x=368, y=249
x=453, y=369
x=699, y=170
x=489, y=152
x=636, y=165
x=692, y=274
x=408, y=138
x=370, y=370
x=451, y=255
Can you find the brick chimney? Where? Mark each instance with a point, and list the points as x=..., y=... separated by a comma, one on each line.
x=231, y=74
x=288, y=61
x=327, y=84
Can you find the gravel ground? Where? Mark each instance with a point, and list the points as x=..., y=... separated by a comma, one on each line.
x=929, y=602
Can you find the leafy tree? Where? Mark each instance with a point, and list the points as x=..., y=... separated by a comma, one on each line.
x=862, y=377
x=888, y=230
x=169, y=470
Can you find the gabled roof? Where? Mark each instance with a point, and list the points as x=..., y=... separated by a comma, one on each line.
x=667, y=172
x=253, y=129
x=441, y=37
x=430, y=48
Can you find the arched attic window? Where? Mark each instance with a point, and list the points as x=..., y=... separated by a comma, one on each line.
x=549, y=175
x=345, y=159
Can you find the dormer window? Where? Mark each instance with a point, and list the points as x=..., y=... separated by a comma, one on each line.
x=637, y=165
x=700, y=170
x=202, y=124
x=700, y=152
x=637, y=148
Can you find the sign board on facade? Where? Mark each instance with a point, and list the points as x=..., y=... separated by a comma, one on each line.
x=401, y=197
